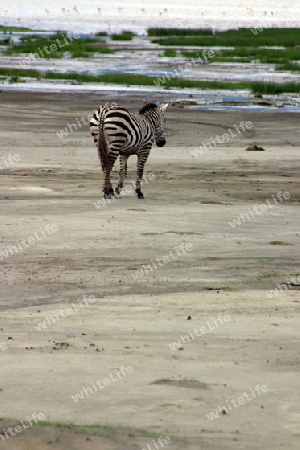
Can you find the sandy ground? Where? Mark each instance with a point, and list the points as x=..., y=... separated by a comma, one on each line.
x=132, y=321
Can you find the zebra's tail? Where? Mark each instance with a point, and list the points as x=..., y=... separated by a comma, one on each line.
x=102, y=144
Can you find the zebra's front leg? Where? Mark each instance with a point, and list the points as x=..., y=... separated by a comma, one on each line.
x=142, y=158
x=122, y=173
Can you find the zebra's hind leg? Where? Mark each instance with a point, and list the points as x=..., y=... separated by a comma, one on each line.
x=108, y=191
x=122, y=173
x=142, y=158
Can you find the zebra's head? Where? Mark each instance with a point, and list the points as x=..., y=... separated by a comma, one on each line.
x=156, y=116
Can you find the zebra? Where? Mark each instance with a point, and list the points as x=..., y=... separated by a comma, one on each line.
x=118, y=132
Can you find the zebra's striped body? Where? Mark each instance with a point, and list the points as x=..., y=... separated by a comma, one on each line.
x=116, y=132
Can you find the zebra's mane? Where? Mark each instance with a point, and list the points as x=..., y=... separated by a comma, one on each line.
x=146, y=107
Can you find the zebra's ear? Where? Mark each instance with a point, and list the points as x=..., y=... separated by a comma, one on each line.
x=164, y=106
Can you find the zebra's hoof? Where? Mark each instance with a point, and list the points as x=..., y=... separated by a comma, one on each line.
x=109, y=194
x=118, y=190
x=139, y=193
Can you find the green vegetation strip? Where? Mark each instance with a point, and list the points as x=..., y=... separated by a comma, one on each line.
x=160, y=32
x=289, y=66
x=263, y=55
x=243, y=37
x=125, y=36
x=269, y=275
x=13, y=29
x=56, y=45
x=260, y=87
x=20, y=73
x=114, y=433
x=142, y=80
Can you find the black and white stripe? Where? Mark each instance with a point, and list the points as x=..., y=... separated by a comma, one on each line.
x=116, y=132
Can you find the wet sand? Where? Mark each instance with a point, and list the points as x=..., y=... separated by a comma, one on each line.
x=200, y=269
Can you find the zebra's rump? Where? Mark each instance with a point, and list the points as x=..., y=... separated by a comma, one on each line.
x=94, y=125
x=124, y=132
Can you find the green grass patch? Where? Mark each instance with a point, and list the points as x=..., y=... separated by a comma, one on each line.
x=170, y=53
x=86, y=51
x=57, y=45
x=101, y=33
x=292, y=67
x=187, y=383
x=13, y=29
x=114, y=433
x=15, y=79
x=219, y=56
x=267, y=259
x=7, y=72
x=242, y=37
x=262, y=55
x=5, y=41
x=160, y=32
x=124, y=36
x=161, y=381
x=119, y=434
x=270, y=275
x=261, y=87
